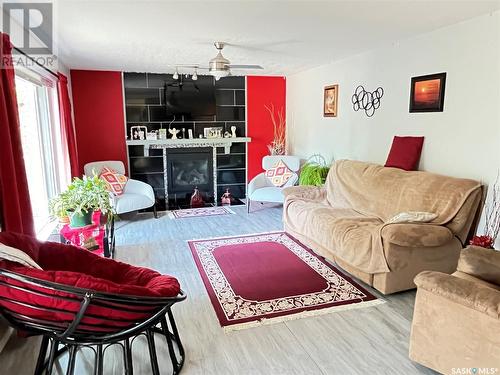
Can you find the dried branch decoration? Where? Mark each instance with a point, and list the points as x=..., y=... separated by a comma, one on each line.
x=492, y=225
x=278, y=145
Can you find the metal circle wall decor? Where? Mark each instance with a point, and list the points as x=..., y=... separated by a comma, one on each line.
x=366, y=100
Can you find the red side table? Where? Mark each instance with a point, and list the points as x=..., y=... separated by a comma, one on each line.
x=101, y=231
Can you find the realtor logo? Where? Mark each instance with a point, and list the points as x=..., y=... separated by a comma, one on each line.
x=30, y=26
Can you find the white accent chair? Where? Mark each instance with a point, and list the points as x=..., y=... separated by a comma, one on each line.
x=137, y=195
x=261, y=189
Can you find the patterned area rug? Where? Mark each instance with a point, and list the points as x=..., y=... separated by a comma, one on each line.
x=271, y=277
x=200, y=212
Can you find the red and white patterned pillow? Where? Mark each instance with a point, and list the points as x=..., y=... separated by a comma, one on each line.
x=279, y=174
x=115, y=182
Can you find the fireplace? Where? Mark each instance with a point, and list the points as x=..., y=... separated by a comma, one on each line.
x=187, y=169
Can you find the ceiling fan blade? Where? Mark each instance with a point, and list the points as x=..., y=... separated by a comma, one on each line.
x=234, y=66
x=190, y=66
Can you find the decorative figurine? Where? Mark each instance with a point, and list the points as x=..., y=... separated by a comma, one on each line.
x=226, y=198
x=233, y=131
x=174, y=133
x=197, y=199
x=227, y=135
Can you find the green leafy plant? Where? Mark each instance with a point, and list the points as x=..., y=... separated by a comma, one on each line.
x=59, y=206
x=82, y=196
x=314, y=171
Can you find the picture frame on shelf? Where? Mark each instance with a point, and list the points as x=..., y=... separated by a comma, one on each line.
x=213, y=132
x=330, y=100
x=427, y=93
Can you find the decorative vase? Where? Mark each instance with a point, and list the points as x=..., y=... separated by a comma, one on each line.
x=78, y=220
x=197, y=199
x=226, y=198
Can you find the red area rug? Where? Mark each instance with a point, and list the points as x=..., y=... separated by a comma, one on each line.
x=271, y=277
x=200, y=212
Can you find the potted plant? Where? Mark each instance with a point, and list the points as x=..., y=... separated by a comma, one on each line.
x=314, y=171
x=59, y=206
x=81, y=199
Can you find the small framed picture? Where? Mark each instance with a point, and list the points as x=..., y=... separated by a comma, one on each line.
x=330, y=99
x=427, y=93
x=213, y=132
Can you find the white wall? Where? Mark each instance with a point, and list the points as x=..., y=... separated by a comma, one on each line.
x=462, y=141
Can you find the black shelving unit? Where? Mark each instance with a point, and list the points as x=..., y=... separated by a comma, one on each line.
x=144, y=105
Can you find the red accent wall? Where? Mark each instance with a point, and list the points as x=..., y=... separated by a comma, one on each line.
x=262, y=91
x=99, y=117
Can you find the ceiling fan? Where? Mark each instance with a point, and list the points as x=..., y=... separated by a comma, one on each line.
x=219, y=66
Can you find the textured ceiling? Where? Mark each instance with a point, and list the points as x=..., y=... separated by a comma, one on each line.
x=283, y=37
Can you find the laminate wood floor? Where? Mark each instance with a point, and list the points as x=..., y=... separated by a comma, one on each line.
x=372, y=340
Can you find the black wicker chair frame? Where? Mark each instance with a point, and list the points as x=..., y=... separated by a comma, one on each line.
x=71, y=335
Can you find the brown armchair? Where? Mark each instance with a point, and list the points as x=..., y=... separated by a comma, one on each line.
x=456, y=323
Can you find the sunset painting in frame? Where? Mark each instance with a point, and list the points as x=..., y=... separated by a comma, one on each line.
x=427, y=93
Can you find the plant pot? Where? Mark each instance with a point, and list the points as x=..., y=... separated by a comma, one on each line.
x=78, y=220
x=64, y=220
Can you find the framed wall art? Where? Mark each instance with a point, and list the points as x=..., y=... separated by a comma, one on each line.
x=427, y=93
x=330, y=101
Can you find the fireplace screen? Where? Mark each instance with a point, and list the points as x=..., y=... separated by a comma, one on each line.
x=188, y=173
x=188, y=169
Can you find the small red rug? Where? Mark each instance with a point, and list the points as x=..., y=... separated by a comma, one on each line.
x=270, y=277
x=200, y=212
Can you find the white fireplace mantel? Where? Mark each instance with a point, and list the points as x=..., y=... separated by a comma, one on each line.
x=183, y=143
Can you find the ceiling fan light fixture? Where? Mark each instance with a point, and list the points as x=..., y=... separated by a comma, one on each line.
x=218, y=74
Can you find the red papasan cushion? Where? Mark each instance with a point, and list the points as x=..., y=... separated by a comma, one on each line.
x=73, y=266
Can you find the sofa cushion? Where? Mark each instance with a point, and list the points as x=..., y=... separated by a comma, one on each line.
x=383, y=192
x=466, y=276
x=340, y=230
x=268, y=194
x=405, y=153
x=128, y=202
x=416, y=235
x=481, y=263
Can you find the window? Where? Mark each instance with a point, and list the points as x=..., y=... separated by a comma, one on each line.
x=46, y=168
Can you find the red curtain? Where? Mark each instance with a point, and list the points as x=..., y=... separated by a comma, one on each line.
x=67, y=129
x=15, y=203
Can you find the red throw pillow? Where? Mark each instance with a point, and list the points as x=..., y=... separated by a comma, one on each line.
x=405, y=153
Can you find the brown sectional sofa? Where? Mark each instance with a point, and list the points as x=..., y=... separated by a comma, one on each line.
x=456, y=323
x=346, y=221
